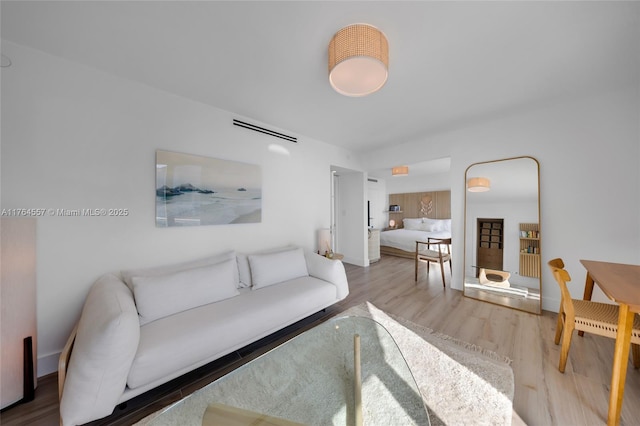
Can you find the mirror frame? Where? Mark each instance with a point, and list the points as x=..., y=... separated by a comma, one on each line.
x=494, y=300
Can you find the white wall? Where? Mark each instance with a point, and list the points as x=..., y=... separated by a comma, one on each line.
x=425, y=183
x=75, y=138
x=589, y=151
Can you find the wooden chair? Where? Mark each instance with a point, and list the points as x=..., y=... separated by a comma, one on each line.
x=585, y=315
x=439, y=256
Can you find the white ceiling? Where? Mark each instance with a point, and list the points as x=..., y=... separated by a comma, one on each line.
x=451, y=63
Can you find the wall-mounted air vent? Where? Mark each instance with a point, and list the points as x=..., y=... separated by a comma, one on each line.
x=265, y=131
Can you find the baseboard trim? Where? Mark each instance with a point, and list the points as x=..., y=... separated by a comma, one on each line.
x=48, y=364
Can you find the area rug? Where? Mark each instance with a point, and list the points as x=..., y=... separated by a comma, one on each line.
x=459, y=383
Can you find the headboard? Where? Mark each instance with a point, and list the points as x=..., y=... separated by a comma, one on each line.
x=434, y=205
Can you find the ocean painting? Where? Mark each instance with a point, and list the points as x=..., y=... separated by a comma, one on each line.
x=192, y=190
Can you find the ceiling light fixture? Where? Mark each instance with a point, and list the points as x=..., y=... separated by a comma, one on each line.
x=358, y=60
x=478, y=184
x=400, y=171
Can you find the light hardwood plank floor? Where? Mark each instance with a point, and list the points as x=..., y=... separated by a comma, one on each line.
x=543, y=395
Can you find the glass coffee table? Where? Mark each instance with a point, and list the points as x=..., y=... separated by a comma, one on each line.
x=310, y=380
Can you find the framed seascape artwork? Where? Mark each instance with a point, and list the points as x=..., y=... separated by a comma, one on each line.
x=192, y=190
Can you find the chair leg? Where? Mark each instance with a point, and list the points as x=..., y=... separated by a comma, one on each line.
x=442, y=272
x=559, y=325
x=635, y=349
x=416, y=270
x=566, y=345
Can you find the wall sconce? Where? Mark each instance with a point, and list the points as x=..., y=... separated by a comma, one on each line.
x=400, y=171
x=478, y=184
x=392, y=223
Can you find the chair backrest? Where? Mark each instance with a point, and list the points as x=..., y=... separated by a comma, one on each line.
x=433, y=255
x=562, y=277
x=440, y=242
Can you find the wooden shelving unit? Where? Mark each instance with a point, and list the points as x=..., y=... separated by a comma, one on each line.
x=530, y=250
x=490, y=244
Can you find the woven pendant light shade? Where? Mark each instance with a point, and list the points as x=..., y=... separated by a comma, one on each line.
x=400, y=171
x=358, y=60
x=478, y=184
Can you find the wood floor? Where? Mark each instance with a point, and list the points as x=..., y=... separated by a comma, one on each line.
x=543, y=395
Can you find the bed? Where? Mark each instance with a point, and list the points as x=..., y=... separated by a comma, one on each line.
x=402, y=242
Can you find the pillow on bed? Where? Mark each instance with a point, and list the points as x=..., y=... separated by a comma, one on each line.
x=434, y=225
x=429, y=227
x=412, y=224
x=437, y=225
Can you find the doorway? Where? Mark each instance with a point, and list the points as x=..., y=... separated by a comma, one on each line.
x=349, y=215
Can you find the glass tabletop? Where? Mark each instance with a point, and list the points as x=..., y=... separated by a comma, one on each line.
x=310, y=380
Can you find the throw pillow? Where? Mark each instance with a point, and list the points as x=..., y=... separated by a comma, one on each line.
x=164, y=295
x=272, y=268
x=244, y=270
x=127, y=275
x=436, y=225
x=412, y=224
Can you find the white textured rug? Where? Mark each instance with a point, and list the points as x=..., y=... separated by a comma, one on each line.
x=460, y=383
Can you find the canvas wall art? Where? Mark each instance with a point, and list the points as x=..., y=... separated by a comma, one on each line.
x=193, y=190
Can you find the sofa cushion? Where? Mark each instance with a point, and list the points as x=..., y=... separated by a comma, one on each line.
x=244, y=270
x=105, y=345
x=273, y=268
x=164, y=295
x=127, y=275
x=172, y=346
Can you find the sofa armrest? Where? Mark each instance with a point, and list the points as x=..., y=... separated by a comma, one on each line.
x=63, y=361
x=328, y=270
x=105, y=344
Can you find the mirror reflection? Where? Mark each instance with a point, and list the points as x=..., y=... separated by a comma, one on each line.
x=502, y=233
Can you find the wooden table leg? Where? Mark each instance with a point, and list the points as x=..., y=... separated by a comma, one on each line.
x=588, y=292
x=620, y=361
x=357, y=385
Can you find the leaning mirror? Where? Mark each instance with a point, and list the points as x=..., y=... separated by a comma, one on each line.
x=502, y=233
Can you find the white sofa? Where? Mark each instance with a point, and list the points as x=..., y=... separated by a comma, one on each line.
x=141, y=328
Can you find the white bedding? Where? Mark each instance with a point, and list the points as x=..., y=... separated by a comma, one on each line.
x=405, y=239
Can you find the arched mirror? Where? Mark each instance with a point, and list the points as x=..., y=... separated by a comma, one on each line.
x=502, y=262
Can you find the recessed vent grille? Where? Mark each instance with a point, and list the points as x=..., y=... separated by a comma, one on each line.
x=265, y=131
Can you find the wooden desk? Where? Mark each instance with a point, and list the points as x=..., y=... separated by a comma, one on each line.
x=620, y=283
